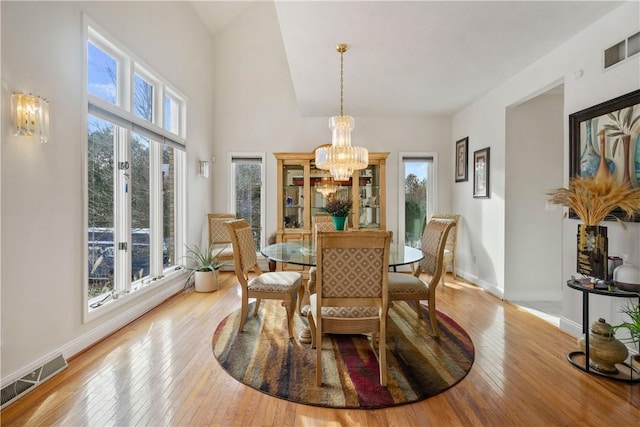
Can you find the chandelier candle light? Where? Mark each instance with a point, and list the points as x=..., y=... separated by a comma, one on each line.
x=341, y=158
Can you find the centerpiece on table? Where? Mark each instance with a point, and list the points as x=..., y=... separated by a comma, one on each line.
x=592, y=200
x=339, y=209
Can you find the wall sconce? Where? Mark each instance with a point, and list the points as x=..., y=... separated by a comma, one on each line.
x=203, y=168
x=30, y=116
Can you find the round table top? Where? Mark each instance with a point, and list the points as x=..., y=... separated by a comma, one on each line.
x=305, y=254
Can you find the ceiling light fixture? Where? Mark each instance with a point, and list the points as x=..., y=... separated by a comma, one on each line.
x=341, y=158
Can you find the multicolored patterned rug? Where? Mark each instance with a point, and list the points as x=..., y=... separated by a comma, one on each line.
x=419, y=366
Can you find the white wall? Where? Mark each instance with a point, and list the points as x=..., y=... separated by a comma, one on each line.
x=42, y=184
x=257, y=112
x=534, y=165
x=484, y=122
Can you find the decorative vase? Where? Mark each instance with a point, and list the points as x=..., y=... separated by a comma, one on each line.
x=605, y=351
x=339, y=222
x=592, y=253
x=605, y=168
x=589, y=160
x=206, y=281
x=626, y=175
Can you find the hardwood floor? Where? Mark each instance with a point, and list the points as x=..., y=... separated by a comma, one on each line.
x=160, y=370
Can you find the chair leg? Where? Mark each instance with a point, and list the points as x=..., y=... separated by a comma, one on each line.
x=257, y=306
x=312, y=328
x=301, y=293
x=453, y=267
x=243, y=312
x=434, y=317
x=382, y=351
x=319, y=354
x=418, y=308
x=289, y=307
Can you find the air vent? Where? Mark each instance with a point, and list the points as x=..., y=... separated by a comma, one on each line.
x=622, y=50
x=33, y=379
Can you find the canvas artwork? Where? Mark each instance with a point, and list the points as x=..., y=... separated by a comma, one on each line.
x=604, y=140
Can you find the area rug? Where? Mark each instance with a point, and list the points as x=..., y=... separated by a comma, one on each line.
x=419, y=366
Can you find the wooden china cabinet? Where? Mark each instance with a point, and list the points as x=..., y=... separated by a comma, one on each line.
x=298, y=198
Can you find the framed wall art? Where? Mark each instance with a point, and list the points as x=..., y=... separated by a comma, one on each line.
x=605, y=140
x=481, y=173
x=462, y=160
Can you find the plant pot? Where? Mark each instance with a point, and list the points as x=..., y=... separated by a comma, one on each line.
x=206, y=281
x=339, y=222
x=635, y=362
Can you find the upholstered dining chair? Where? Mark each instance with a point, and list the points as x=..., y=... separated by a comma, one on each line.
x=219, y=237
x=450, y=248
x=280, y=285
x=409, y=287
x=351, y=290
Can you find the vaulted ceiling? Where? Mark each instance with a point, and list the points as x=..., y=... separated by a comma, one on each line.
x=411, y=57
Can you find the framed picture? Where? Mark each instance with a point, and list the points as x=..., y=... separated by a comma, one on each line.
x=481, y=173
x=462, y=160
x=604, y=139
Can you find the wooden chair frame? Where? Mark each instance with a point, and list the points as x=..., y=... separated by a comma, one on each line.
x=364, y=296
x=434, y=240
x=246, y=262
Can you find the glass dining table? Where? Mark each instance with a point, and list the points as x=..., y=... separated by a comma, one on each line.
x=304, y=254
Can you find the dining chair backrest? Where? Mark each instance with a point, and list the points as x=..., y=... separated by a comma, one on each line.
x=352, y=266
x=218, y=232
x=243, y=247
x=433, y=246
x=321, y=223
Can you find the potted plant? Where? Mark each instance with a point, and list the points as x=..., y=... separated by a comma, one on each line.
x=633, y=326
x=339, y=209
x=204, y=266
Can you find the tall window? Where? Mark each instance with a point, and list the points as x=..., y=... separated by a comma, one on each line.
x=246, y=192
x=135, y=158
x=417, y=195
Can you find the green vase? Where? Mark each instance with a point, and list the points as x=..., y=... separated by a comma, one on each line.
x=339, y=222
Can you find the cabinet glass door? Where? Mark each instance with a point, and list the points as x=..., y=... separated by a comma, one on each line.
x=293, y=197
x=369, y=194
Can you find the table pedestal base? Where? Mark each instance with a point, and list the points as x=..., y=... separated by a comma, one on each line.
x=305, y=334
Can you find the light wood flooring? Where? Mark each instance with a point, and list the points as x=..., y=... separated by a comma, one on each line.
x=160, y=371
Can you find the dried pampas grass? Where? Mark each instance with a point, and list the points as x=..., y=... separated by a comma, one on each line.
x=593, y=199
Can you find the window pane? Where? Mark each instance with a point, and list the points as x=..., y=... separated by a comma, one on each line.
x=247, y=194
x=416, y=173
x=171, y=115
x=101, y=249
x=168, y=207
x=101, y=74
x=140, y=207
x=142, y=98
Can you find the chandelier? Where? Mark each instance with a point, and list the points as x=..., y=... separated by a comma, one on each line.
x=326, y=186
x=341, y=158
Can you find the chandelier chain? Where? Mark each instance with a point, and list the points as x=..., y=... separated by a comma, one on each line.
x=342, y=83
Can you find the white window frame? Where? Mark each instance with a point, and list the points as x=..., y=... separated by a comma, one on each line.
x=432, y=195
x=124, y=121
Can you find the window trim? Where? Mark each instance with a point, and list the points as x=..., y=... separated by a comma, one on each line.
x=120, y=115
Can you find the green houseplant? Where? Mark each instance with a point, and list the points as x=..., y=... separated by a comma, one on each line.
x=204, y=266
x=339, y=209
